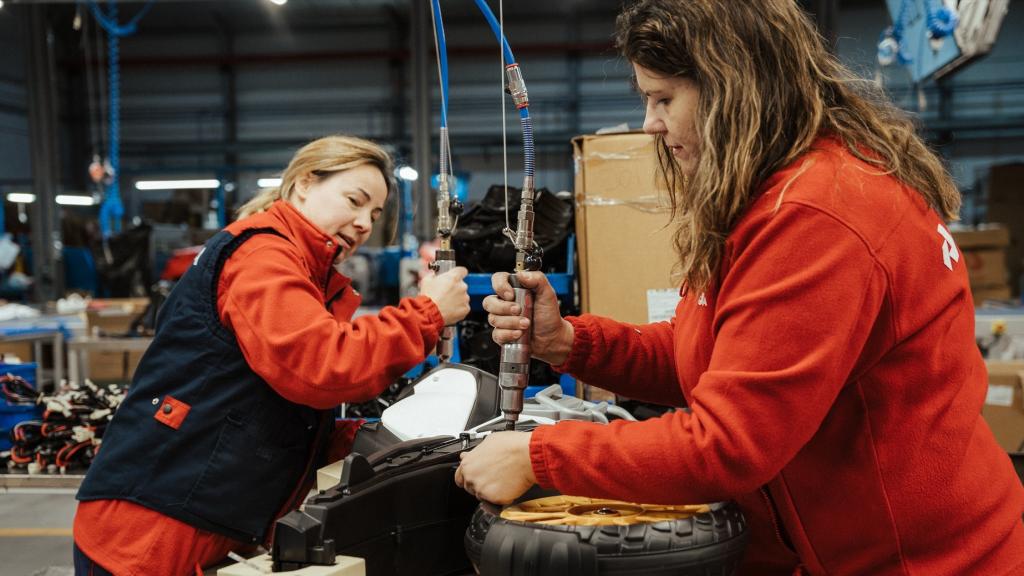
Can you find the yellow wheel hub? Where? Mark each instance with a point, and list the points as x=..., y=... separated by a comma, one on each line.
x=579, y=511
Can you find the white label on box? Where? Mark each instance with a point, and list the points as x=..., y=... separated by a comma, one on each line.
x=661, y=304
x=999, y=395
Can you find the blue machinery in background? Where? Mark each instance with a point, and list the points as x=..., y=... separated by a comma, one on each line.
x=933, y=38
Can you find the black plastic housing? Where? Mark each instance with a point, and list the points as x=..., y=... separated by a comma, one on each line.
x=400, y=511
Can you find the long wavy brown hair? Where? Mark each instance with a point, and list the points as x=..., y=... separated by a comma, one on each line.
x=768, y=89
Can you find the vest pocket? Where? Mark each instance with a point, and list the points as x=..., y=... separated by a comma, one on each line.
x=246, y=481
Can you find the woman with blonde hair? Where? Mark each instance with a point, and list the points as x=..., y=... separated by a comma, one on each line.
x=230, y=411
x=824, y=340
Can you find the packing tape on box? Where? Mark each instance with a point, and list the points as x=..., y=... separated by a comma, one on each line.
x=632, y=153
x=647, y=203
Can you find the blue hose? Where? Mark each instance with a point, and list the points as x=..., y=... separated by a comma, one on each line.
x=528, y=154
x=524, y=112
x=496, y=28
x=442, y=56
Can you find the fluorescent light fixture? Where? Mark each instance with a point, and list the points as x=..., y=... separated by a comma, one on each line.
x=408, y=173
x=279, y=2
x=20, y=197
x=74, y=200
x=268, y=182
x=1, y=3
x=176, y=184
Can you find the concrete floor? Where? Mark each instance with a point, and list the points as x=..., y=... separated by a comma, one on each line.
x=35, y=532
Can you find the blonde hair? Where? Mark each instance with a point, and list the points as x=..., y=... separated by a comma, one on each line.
x=320, y=159
x=768, y=89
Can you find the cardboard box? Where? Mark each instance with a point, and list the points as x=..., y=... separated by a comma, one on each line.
x=626, y=255
x=20, y=351
x=1012, y=216
x=983, y=236
x=984, y=253
x=113, y=315
x=1004, y=403
x=112, y=366
x=1004, y=195
x=983, y=293
x=986, y=267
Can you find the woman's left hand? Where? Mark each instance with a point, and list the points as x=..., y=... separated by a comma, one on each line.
x=499, y=469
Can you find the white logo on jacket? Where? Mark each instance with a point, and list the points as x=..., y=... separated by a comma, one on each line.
x=949, y=252
x=701, y=300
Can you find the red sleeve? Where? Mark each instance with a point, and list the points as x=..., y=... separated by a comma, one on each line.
x=340, y=444
x=636, y=361
x=794, y=312
x=307, y=355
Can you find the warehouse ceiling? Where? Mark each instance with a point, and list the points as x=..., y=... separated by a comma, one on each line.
x=247, y=16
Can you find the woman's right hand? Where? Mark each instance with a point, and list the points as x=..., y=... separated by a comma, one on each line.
x=449, y=292
x=552, y=334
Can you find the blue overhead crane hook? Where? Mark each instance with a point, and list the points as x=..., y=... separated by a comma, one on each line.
x=112, y=209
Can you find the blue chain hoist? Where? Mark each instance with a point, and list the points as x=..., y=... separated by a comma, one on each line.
x=112, y=209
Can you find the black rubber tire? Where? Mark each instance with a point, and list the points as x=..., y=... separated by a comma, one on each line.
x=708, y=544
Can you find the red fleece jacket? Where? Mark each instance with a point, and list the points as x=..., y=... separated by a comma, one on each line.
x=835, y=390
x=271, y=295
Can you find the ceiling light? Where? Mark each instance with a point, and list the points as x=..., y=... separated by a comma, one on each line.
x=408, y=173
x=176, y=184
x=20, y=197
x=268, y=182
x=74, y=200
x=279, y=2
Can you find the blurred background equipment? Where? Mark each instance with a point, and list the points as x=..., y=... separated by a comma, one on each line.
x=934, y=38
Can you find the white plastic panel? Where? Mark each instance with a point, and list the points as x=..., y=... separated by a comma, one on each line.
x=441, y=406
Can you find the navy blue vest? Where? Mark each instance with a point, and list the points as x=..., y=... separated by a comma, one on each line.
x=233, y=460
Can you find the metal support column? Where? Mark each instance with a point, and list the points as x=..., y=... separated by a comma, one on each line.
x=826, y=14
x=944, y=137
x=42, y=122
x=397, y=78
x=229, y=100
x=421, y=50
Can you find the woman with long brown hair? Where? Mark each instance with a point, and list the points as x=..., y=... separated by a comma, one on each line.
x=824, y=342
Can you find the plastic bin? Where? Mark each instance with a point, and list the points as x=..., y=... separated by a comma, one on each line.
x=10, y=415
x=26, y=370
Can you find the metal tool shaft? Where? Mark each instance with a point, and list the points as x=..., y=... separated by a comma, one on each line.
x=514, y=371
x=444, y=261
